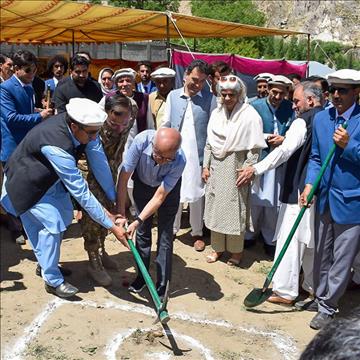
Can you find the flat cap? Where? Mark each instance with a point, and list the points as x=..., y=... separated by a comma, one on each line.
x=263, y=77
x=124, y=72
x=280, y=80
x=344, y=76
x=163, y=72
x=86, y=112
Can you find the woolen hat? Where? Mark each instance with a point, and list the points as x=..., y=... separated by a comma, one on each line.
x=263, y=77
x=344, y=76
x=163, y=72
x=124, y=72
x=280, y=80
x=86, y=112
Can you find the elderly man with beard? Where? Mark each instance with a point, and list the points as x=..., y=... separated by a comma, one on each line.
x=294, y=152
x=337, y=236
x=79, y=85
x=276, y=114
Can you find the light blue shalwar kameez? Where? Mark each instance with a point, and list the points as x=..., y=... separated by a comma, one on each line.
x=47, y=220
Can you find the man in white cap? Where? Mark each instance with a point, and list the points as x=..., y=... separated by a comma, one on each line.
x=164, y=81
x=41, y=175
x=277, y=114
x=262, y=87
x=337, y=237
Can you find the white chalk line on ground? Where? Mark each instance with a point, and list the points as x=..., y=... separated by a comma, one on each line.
x=116, y=342
x=282, y=342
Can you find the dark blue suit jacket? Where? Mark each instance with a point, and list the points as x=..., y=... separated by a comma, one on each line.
x=17, y=115
x=340, y=184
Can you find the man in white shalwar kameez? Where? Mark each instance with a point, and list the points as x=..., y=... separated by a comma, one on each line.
x=188, y=110
x=294, y=150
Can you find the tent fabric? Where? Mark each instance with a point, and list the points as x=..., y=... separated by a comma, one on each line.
x=245, y=68
x=58, y=21
x=315, y=68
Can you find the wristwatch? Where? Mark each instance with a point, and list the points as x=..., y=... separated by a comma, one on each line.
x=140, y=221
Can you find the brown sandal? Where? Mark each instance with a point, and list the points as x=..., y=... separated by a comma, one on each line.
x=213, y=257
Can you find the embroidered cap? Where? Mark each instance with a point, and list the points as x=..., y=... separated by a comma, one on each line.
x=163, y=72
x=264, y=77
x=86, y=112
x=344, y=76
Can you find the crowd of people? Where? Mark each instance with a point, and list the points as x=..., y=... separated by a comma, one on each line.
x=128, y=147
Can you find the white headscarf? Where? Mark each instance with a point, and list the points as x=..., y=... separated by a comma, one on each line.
x=242, y=130
x=104, y=90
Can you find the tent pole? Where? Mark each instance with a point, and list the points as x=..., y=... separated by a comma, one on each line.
x=308, y=55
x=194, y=44
x=73, y=43
x=168, y=52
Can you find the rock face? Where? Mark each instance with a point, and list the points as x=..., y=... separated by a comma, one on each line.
x=327, y=20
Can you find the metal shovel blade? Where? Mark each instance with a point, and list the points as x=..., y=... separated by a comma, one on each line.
x=257, y=297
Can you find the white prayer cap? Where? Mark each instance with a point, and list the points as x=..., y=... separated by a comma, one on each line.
x=264, y=77
x=124, y=72
x=86, y=112
x=163, y=72
x=280, y=80
x=344, y=76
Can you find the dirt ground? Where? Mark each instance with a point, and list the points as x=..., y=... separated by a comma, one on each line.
x=208, y=319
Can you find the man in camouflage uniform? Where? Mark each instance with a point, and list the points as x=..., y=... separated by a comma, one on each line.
x=114, y=133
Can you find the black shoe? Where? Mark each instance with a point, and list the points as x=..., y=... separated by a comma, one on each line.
x=307, y=305
x=320, y=320
x=270, y=250
x=249, y=243
x=65, y=290
x=64, y=271
x=137, y=286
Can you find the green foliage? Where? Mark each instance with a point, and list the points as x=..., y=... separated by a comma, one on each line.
x=155, y=5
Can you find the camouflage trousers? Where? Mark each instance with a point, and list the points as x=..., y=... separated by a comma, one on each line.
x=93, y=233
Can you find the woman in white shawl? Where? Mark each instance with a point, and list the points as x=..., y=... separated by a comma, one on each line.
x=235, y=139
x=105, y=80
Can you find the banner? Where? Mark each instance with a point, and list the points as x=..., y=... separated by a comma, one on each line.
x=245, y=68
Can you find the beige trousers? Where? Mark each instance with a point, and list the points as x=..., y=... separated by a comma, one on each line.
x=232, y=243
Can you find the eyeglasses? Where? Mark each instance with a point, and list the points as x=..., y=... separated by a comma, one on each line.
x=119, y=113
x=106, y=78
x=340, y=90
x=160, y=157
x=90, y=133
x=230, y=78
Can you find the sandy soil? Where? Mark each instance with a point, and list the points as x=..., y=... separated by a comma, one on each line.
x=208, y=319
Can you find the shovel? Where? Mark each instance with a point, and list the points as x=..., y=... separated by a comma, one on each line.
x=161, y=311
x=257, y=296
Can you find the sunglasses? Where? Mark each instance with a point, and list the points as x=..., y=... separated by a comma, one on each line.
x=340, y=90
x=230, y=78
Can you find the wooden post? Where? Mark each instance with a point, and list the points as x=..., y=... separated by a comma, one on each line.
x=308, y=55
x=73, y=43
x=168, y=52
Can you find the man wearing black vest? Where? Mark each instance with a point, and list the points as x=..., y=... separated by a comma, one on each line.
x=295, y=151
x=41, y=175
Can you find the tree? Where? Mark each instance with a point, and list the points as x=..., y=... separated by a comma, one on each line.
x=155, y=5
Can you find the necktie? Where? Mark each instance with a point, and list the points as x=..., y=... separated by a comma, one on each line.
x=30, y=93
x=339, y=121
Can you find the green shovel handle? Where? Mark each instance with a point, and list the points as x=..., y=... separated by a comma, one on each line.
x=301, y=214
x=163, y=314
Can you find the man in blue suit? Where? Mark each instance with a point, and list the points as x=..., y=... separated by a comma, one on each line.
x=17, y=108
x=337, y=240
x=17, y=105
